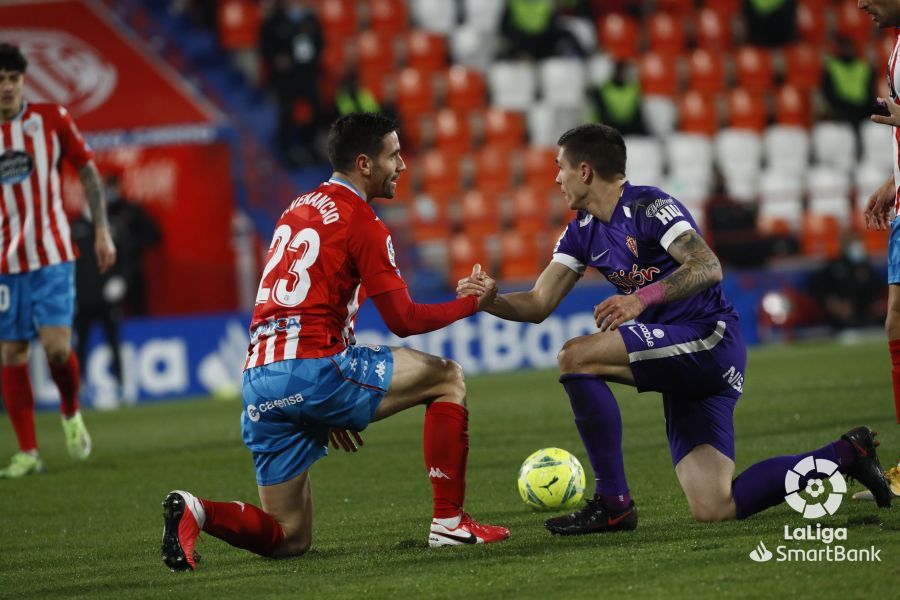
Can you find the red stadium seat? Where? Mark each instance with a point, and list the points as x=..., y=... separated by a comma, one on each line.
x=333, y=66
x=441, y=174
x=465, y=88
x=480, y=214
x=619, y=36
x=811, y=23
x=415, y=94
x=464, y=253
x=425, y=50
x=792, y=107
x=713, y=30
x=338, y=19
x=238, y=22
x=707, y=72
x=540, y=168
x=375, y=54
x=519, y=257
x=697, y=113
x=531, y=212
x=452, y=132
x=820, y=236
x=754, y=69
x=390, y=17
x=666, y=33
x=676, y=7
x=504, y=128
x=493, y=170
x=746, y=110
x=855, y=24
x=726, y=8
x=802, y=66
x=429, y=217
x=658, y=74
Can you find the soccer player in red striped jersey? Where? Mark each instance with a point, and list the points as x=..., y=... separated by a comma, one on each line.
x=306, y=381
x=37, y=289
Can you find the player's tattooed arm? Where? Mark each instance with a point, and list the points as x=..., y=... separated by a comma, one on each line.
x=700, y=268
x=93, y=191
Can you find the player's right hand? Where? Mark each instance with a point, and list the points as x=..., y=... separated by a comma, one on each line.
x=490, y=291
x=341, y=439
x=473, y=285
x=878, y=209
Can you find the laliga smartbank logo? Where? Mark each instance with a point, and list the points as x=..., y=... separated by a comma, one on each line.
x=820, y=497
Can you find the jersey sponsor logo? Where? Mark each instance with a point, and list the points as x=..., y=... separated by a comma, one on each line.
x=253, y=412
x=273, y=326
x=657, y=204
x=668, y=213
x=629, y=282
x=390, y=251
x=322, y=203
x=256, y=412
x=15, y=167
x=632, y=245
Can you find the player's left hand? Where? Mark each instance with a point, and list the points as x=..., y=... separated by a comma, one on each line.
x=894, y=110
x=616, y=310
x=346, y=440
x=104, y=249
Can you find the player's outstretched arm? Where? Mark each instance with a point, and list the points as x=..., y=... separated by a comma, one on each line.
x=405, y=317
x=93, y=191
x=878, y=208
x=537, y=304
x=700, y=268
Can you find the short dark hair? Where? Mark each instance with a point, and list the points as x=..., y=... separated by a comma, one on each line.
x=355, y=134
x=600, y=146
x=11, y=58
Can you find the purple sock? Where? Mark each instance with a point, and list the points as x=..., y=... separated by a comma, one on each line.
x=600, y=425
x=761, y=486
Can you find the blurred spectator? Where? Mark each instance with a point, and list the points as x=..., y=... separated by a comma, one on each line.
x=848, y=287
x=733, y=231
x=532, y=29
x=291, y=47
x=770, y=22
x=848, y=84
x=618, y=102
x=350, y=96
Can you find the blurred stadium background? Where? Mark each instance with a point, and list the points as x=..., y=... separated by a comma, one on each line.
x=734, y=122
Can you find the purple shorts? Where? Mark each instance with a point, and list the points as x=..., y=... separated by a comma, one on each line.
x=699, y=369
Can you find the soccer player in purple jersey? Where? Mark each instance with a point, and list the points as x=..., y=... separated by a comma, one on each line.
x=669, y=329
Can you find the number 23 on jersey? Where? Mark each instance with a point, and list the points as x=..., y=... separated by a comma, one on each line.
x=287, y=283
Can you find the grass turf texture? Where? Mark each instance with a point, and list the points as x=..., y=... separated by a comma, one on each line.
x=93, y=529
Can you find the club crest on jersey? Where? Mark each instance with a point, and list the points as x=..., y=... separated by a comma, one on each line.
x=629, y=282
x=15, y=167
x=632, y=245
x=32, y=126
x=390, y=251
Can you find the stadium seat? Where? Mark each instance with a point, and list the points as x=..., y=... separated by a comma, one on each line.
x=781, y=195
x=691, y=192
x=429, y=217
x=493, y=170
x=425, y=50
x=645, y=159
x=519, y=257
x=547, y=122
x=512, y=84
x=707, y=71
x=820, y=236
x=531, y=211
x=658, y=74
x=464, y=89
x=746, y=110
x=697, y=113
x=802, y=66
x=676, y=7
x=464, y=253
x=738, y=154
x=811, y=22
x=690, y=158
x=479, y=214
x=504, y=129
x=483, y=15
x=618, y=35
x=876, y=145
x=792, y=107
x=435, y=15
x=660, y=114
x=452, y=132
x=599, y=68
x=854, y=24
x=713, y=30
x=441, y=174
x=338, y=19
x=786, y=149
x=834, y=145
x=471, y=48
x=415, y=93
x=389, y=17
x=238, y=24
x=754, y=69
x=562, y=82
x=726, y=8
x=829, y=192
x=666, y=33
x=376, y=55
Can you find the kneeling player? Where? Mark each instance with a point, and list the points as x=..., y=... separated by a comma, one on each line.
x=305, y=380
x=687, y=344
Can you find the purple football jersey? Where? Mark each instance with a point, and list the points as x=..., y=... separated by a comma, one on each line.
x=631, y=253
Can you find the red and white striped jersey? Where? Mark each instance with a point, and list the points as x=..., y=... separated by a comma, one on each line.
x=893, y=80
x=327, y=245
x=34, y=230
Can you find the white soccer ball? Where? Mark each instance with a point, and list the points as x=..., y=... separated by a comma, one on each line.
x=551, y=479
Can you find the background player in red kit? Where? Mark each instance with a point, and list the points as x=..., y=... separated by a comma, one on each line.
x=306, y=380
x=37, y=273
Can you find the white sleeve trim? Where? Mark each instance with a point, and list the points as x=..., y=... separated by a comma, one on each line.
x=673, y=232
x=570, y=261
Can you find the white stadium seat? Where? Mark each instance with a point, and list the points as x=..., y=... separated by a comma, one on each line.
x=547, y=122
x=472, y=48
x=660, y=114
x=690, y=156
x=645, y=160
x=781, y=196
x=868, y=177
x=829, y=192
x=738, y=153
x=483, y=15
x=562, y=82
x=787, y=149
x=512, y=84
x=435, y=15
x=600, y=67
x=877, y=149
x=834, y=144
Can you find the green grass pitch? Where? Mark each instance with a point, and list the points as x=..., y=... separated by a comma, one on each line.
x=92, y=530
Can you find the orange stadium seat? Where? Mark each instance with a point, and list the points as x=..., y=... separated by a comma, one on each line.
x=746, y=110
x=855, y=24
x=707, y=71
x=726, y=8
x=415, y=94
x=792, y=107
x=677, y=7
x=820, y=235
x=390, y=17
x=713, y=30
x=531, y=212
x=338, y=19
x=802, y=66
x=697, y=113
x=376, y=55
x=519, y=257
x=480, y=214
x=464, y=253
x=657, y=74
x=238, y=22
x=666, y=33
x=425, y=50
x=465, y=88
x=441, y=174
x=754, y=69
x=811, y=23
x=429, y=217
x=504, y=128
x=493, y=170
x=540, y=168
x=333, y=64
x=452, y=132
x=619, y=35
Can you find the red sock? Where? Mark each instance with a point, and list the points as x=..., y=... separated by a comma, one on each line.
x=243, y=526
x=446, y=451
x=67, y=377
x=895, y=374
x=19, y=401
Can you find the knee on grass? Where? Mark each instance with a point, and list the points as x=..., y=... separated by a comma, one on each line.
x=711, y=511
